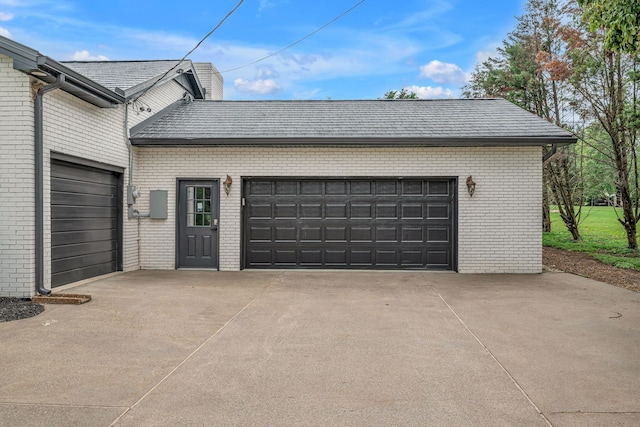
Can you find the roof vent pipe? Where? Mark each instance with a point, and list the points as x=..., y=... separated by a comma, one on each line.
x=39, y=184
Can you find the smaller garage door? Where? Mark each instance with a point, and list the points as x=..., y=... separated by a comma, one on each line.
x=85, y=222
x=381, y=223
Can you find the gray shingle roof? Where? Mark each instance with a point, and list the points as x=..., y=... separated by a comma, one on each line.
x=388, y=122
x=124, y=74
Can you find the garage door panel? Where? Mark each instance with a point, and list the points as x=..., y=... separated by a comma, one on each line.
x=438, y=211
x=437, y=234
x=361, y=188
x=286, y=234
x=86, y=188
x=336, y=257
x=286, y=211
x=63, y=225
x=336, y=188
x=359, y=210
x=362, y=257
x=285, y=257
x=387, y=257
x=286, y=188
x=85, y=222
x=336, y=234
x=350, y=223
x=260, y=210
x=412, y=234
x=68, y=276
x=386, y=234
x=437, y=259
x=260, y=257
x=361, y=234
x=311, y=257
x=438, y=188
x=260, y=188
x=67, y=251
x=412, y=188
x=311, y=211
x=68, y=171
x=412, y=258
x=311, y=234
x=260, y=234
x=75, y=199
x=311, y=188
x=412, y=211
x=336, y=210
x=386, y=211
x=82, y=261
x=75, y=237
x=387, y=187
x=67, y=212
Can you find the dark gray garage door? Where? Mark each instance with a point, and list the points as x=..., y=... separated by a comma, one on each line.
x=85, y=224
x=350, y=223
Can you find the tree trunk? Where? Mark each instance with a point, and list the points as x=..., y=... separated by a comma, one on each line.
x=561, y=186
x=546, y=212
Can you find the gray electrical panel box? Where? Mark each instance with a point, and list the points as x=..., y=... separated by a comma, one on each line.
x=158, y=204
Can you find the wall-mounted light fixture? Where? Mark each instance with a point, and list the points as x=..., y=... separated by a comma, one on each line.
x=471, y=186
x=227, y=185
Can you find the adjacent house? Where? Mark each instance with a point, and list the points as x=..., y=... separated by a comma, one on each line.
x=118, y=166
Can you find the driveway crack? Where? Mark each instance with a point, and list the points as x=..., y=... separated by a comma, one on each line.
x=490, y=353
x=194, y=352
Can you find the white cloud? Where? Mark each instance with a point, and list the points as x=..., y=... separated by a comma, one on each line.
x=428, y=92
x=5, y=33
x=442, y=72
x=265, y=4
x=258, y=86
x=266, y=72
x=5, y=16
x=490, y=51
x=84, y=55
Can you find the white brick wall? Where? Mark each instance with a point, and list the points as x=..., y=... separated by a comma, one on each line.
x=499, y=228
x=17, y=217
x=73, y=127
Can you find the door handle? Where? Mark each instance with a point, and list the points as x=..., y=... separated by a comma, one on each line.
x=214, y=224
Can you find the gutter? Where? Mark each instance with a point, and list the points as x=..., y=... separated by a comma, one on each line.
x=39, y=181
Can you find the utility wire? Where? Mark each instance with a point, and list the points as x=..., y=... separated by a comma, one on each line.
x=296, y=42
x=231, y=12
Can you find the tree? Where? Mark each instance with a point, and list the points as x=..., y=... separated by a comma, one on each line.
x=400, y=94
x=608, y=84
x=620, y=20
x=530, y=73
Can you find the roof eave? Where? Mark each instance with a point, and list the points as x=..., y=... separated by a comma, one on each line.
x=360, y=141
x=189, y=75
x=31, y=62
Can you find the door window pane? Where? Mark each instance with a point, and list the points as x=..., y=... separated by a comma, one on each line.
x=198, y=206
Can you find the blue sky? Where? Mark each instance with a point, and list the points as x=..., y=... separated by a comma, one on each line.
x=427, y=46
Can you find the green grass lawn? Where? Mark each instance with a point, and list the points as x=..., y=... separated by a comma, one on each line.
x=603, y=237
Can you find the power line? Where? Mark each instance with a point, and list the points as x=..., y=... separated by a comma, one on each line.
x=231, y=12
x=296, y=42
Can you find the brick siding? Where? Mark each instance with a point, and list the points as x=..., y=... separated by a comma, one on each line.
x=499, y=227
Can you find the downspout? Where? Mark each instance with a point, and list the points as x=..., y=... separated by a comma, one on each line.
x=39, y=184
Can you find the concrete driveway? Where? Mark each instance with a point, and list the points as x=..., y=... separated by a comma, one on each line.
x=196, y=348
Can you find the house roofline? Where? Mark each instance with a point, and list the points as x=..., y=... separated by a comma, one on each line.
x=356, y=142
x=44, y=68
